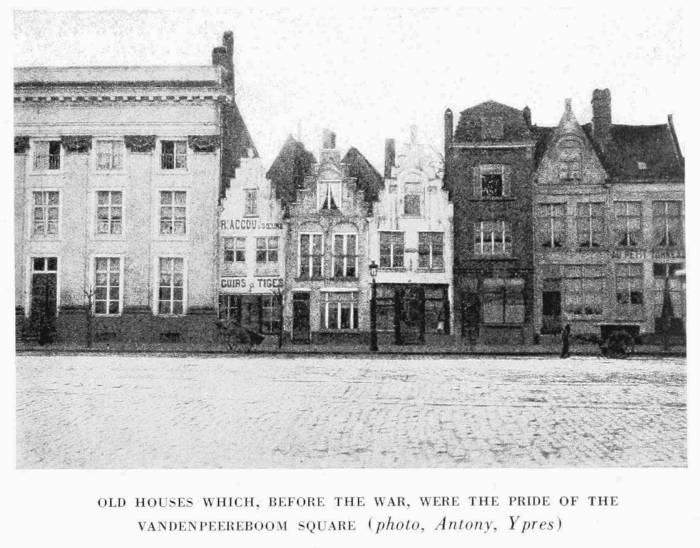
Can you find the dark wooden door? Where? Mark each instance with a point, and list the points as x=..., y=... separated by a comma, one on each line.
x=411, y=315
x=43, y=306
x=301, y=329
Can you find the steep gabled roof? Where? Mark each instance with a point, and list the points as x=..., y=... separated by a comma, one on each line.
x=653, y=145
x=292, y=164
x=368, y=179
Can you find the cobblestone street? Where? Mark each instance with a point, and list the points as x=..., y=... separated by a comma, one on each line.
x=204, y=412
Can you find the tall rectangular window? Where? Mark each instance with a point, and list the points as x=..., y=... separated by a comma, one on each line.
x=345, y=255
x=110, y=155
x=45, y=213
x=310, y=255
x=590, y=224
x=270, y=314
x=667, y=223
x=329, y=195
x=266, y=249
x=630, y=289
x=173, y=154
x=584, y=289
x=570, y=160
x=430, y=251
x=107, y=292
x=251, y=202
x=391, y=249
x=171, y=286
x=551, y=225
x=234, y=250
x=628, y=224
x=339, y=310
x=412, y=199
x=109, y=212
x=491, y=178
x=47, y=155
x=173, y=212
x=492, y=238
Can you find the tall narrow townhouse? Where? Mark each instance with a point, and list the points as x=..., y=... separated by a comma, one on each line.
x=327, y=275
x=609, y=236
x=118, y=173
x=410, y=239
x=489, y=161
x=251, y=251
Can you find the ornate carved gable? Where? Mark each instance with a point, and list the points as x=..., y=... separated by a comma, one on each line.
x=570, y=158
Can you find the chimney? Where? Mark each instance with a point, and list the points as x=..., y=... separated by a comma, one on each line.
x=602, y=116
x=218, y=57
x=389, y=157
x=328, y=141
x=229, y=81
x=449, y=124
x=528, y=116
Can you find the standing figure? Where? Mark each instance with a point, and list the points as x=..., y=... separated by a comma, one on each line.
x=565, y=341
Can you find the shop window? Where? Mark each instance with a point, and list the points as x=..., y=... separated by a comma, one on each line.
x=668, y=223
x=430, y=250
x=436, y=310
x=345, y=255
x=47, y=155
x=502, y=301
x=628, y=224
x=109, y=212
x=46, y=209
x=230, y=307
x=234, y=250
x=171, y=286
x=629, y=281
x=391, y=249
x=270, y=314
x=310, y=255
x=551, y=225
x=669, y=277
x=584, y=289
x=385, y=308
x=266, y=249
x=589, y=224
x=173, y=155
x=339, y=310
x=110, y=154
x=251, y=203
x=492, y=238
x=173, y=212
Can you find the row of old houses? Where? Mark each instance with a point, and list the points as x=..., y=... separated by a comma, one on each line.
x=143, y=212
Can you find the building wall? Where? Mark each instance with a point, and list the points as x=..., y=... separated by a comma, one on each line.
x=514, y=209
x=305, y=216
x=414, y=165
x=140, y=181
x=250, y=277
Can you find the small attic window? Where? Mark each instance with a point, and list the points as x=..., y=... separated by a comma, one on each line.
x=641, y=166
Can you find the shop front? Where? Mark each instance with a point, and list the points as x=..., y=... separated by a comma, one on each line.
x=412, y=313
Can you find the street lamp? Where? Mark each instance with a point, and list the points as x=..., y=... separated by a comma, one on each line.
x=373, y=308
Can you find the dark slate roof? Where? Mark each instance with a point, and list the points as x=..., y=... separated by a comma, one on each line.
x=287, y=172
x=543, y=136
x=655, y=145
x=368, y=179
x=236, y=144
x=469, y=126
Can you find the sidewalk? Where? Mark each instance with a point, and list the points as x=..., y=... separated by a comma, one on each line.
x=269, y=347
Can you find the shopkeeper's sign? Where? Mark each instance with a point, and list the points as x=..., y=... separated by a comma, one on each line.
x=248, y=224
x=241, y=283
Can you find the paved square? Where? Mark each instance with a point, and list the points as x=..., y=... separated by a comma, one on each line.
x=91, y=411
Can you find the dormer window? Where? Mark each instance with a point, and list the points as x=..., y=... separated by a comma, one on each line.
x=329, y=195
x=569, y=160
x=641, y=166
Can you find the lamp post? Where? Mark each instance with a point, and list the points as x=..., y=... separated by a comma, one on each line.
x=373, y=308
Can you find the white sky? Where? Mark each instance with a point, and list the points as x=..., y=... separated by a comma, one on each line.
x=368, y=73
